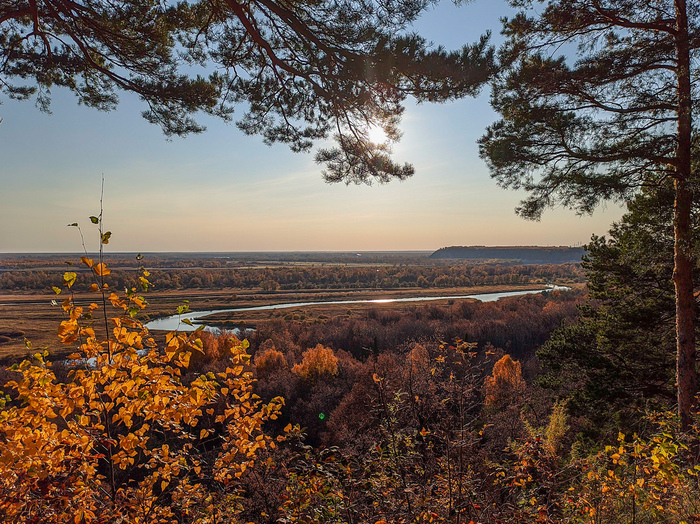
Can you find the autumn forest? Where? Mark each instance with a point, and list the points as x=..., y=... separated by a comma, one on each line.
x=463, y=384
x=448, y=411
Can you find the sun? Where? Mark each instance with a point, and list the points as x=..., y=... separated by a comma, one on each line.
x=377, y=135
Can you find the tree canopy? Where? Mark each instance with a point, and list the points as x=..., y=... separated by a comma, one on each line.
x=600, y=126
x=307, y=70
x=618, y=357
x=596, y=99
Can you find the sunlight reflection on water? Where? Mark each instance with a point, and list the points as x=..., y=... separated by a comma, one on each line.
x=175, y=322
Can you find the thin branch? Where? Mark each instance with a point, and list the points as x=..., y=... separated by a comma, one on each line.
x=665, y=26
x=255, y=34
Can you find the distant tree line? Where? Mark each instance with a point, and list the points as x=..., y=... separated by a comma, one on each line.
x=516, y=254
x=317, y=277
x=19, y=261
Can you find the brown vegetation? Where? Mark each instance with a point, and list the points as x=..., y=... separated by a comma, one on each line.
x=36, y=276
x=384, y=422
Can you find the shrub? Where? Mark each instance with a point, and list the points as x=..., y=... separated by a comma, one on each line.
x=505, y=383
x=317, y=362
x=269, y=361
x=125, y=439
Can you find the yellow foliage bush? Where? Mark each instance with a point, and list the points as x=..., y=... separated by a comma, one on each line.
x=316, y=362
x=505, y=383
x=269, y=361
x=650, y=480
x=643, y=480
x=125, y=439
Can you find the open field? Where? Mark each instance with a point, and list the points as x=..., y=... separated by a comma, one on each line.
x=228, y=280
x=33, y=317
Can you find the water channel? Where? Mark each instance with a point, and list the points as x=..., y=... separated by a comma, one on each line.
x=175, y=322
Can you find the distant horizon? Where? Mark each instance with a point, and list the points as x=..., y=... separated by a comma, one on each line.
x=271, y=251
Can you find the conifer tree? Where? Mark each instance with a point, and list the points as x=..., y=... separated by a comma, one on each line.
x=619, y=356
x=616, y=118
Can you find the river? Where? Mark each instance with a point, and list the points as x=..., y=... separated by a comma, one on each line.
x=175, y=322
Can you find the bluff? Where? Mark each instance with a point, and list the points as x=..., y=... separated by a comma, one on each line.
x=515, y=254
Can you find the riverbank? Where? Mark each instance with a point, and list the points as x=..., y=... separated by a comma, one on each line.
x=231, y=317
x=37, y=319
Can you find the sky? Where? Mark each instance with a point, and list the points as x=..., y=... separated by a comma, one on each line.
x=225, y=191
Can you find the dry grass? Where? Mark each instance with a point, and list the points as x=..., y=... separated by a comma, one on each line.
x=37, y=319
x=32, y=316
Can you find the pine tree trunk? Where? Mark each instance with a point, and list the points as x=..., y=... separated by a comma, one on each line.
x=686, y=378
x=685, y=305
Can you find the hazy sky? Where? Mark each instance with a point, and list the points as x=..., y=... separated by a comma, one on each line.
x=224, y=191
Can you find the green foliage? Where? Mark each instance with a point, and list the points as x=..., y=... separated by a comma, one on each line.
x=100, y=49
x=592, y=126
x=307, y=70
x=555, y=431
x=619, y=356
x=600, y=127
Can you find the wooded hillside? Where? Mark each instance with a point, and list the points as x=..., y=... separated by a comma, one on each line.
x=516, y=254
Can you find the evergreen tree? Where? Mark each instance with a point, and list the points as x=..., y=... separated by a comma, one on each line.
x=619, y=356
x=306, y=69
x=615, y=119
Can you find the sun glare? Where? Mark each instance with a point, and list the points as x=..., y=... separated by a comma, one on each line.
x=377, y=135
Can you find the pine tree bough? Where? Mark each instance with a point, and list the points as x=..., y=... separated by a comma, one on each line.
x=306, y=70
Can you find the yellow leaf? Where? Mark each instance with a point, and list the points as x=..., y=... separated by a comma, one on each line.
x=196, y=394
x=68, y=331
x=87, y=261
x=101, y=270
x=69, y=278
